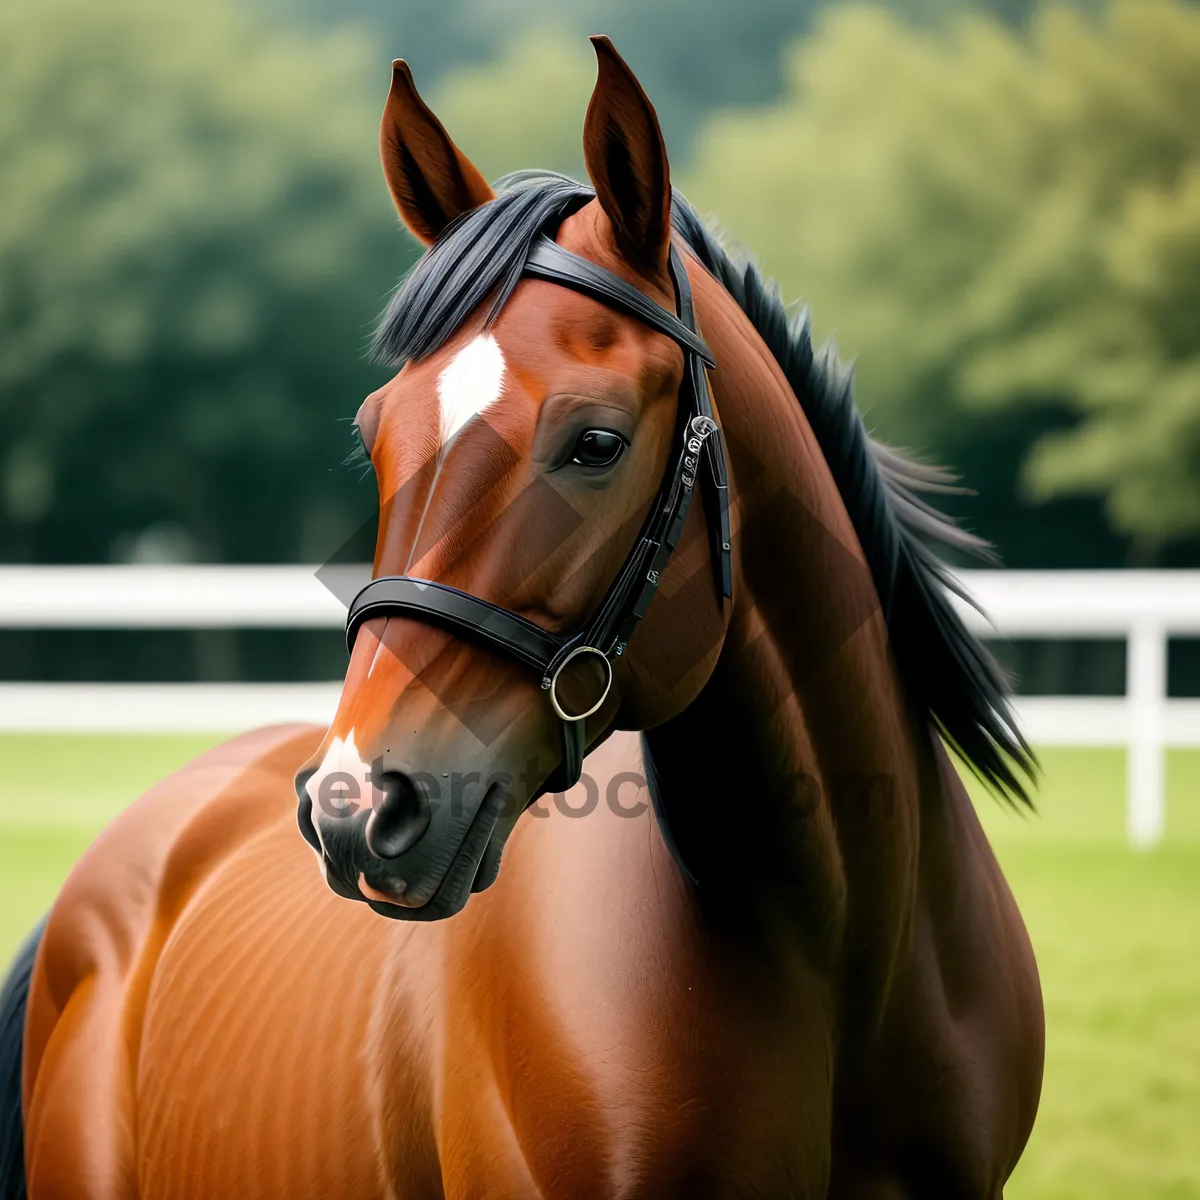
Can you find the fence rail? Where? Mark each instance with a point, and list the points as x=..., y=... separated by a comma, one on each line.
x=1144, y=607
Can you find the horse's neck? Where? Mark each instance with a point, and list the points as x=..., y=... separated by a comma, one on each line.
x=801, y=746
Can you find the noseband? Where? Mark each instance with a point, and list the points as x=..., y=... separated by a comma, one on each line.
x=608, y=631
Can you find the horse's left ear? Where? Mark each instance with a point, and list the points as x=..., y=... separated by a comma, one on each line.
x=627, y=163
x=431, y=180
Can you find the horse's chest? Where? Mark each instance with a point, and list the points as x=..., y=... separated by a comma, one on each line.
x=627, y=1067
x=702, y=1113
x=251, y=1076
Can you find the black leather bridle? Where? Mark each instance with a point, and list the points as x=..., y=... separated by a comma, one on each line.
x=606, y=634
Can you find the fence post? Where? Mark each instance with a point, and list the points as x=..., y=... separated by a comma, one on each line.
x=1146, y=697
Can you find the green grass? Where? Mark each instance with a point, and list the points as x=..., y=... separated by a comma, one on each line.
x=1117, y=935
x=56, y=794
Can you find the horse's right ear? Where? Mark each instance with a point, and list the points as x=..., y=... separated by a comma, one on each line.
x=431, y=180
x=627, y=162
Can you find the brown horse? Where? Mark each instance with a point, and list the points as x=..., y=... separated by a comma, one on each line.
x=786, y=964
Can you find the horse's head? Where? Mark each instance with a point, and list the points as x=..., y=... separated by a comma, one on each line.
x=518, y=453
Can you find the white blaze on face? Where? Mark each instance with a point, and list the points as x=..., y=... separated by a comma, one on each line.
x=352, y=785
x=471, y=382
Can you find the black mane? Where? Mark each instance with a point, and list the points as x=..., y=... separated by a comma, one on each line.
x=480, y=253
x=947, y=671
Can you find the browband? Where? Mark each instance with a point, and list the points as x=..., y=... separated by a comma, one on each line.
x=549, y=261
x=607, y=632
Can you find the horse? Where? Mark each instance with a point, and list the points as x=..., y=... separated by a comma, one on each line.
x=754, y=945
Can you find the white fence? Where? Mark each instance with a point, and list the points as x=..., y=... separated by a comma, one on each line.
x=1144, y=607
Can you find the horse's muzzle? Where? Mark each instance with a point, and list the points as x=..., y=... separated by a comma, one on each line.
x=410, y=855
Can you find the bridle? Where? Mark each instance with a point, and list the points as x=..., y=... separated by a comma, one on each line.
x=608, y=631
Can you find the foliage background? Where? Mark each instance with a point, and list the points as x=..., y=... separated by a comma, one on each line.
x=995, y=207
x=1004, y=232
x=191, y=248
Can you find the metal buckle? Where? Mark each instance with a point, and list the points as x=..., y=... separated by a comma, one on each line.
x=558, y=708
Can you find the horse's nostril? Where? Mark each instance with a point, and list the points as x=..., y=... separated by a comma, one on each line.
x=400, y=819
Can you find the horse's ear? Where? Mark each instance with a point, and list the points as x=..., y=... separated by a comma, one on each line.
x=627, y=163
x=431, y=180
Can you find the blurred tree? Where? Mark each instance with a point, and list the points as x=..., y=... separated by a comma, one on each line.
x=435, y=36
x=935, y=12
x=1135, y=371
x=691, y=55
x=695, y=55
x=524, y=110
x=1008, y=233
x=193, y=241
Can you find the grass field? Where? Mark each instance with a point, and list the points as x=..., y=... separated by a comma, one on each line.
x=1117, y=935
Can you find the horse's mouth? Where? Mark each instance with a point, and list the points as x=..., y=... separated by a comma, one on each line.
x=473, y=868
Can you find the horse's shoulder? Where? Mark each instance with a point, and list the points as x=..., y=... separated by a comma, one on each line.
x=122, y=898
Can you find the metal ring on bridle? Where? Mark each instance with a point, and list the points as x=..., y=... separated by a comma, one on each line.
x=558, y=708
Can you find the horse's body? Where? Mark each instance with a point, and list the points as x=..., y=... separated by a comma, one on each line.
x=210, y=1020
x=842, y=1003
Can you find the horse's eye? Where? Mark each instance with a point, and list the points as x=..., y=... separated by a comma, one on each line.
x=598, y=448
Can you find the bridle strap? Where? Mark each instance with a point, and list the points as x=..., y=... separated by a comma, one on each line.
x=400, y=595
x=549, y=261
x=610, y=628
x=716, y=489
